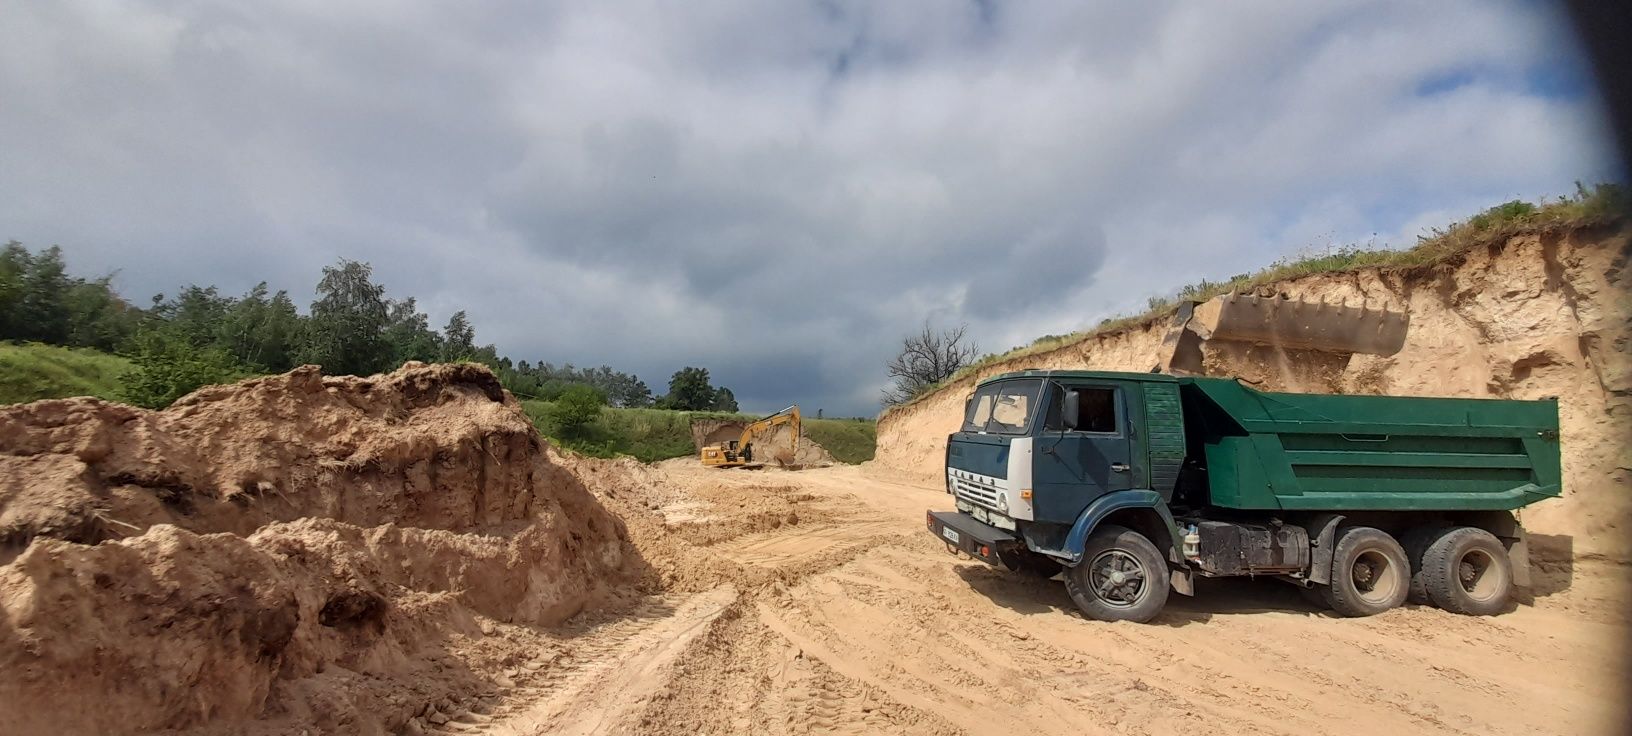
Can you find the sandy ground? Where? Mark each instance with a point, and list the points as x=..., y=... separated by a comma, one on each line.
x=843, y=616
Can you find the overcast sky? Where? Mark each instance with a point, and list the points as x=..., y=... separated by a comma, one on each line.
x=777, y=191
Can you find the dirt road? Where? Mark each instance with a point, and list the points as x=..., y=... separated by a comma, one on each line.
x=845, y=617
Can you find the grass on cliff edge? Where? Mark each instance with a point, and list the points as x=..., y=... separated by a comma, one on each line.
x=1589, y=206
x=31, y=372
x=649, y=435
x=849, y=440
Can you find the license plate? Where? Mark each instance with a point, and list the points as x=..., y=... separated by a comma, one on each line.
x=950, y=534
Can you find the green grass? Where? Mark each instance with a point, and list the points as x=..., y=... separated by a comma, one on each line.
x=31, y=371
x=1588, y=207
x=647, y=435
x=650, y=435
x=850, y=440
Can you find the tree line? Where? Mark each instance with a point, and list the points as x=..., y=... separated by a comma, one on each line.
x=200, y=336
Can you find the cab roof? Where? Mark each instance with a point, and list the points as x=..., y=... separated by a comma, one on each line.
x=1100, y=375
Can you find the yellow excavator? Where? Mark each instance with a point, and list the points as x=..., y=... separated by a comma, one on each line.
x=739, y=453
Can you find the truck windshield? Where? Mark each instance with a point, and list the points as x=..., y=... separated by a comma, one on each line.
x=1005, y=407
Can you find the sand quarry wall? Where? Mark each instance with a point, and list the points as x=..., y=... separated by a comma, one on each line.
x=1529, y=317
x=294, y=550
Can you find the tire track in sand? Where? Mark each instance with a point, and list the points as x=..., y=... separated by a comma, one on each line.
x=607, y=680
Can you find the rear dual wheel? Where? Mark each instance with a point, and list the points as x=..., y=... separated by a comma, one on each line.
x=1370, y=573
x=1462, y=569
x=1466, y=570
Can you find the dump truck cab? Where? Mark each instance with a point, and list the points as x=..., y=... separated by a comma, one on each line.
x=1041, y=454
x=1134, y=484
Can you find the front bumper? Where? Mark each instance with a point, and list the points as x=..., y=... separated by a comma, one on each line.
x=983, y=542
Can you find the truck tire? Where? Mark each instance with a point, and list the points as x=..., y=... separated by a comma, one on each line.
x=1369, y=573
x=1415, y=543
x=1122, y=577
x=1467, y=571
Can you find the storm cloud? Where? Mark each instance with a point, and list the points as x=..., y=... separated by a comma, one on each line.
x=776, y=191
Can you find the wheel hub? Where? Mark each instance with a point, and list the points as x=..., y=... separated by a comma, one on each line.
x=1117, y=577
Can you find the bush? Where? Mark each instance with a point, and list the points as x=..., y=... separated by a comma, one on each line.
x=168, y=368
x=576, y=408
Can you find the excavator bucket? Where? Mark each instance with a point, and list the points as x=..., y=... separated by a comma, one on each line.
x=1279, y=322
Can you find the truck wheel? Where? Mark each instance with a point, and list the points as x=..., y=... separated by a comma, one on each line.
x=1122, y=577
x=1415, y=543
x=1369, y=573
x=1467, y=571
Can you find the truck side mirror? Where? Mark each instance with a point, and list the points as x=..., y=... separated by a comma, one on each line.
x=1071, y=412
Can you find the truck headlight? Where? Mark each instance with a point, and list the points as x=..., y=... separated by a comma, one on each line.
x=1003, y=502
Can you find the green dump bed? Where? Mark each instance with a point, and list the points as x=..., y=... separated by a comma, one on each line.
x=1316, y=452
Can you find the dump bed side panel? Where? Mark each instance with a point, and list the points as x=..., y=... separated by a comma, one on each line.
x=1324, y=452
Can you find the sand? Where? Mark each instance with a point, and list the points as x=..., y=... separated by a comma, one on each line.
x=288, y=551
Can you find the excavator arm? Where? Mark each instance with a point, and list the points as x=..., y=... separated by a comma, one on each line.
x=789, y=415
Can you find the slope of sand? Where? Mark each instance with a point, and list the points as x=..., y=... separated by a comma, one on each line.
x=298, y=550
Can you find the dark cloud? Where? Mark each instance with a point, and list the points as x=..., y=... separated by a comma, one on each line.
x=776, y=191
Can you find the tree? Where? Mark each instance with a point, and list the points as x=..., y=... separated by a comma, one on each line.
x=409, y=333
x=15, y=262
x=259, y=331
x=42, y=313
x=346, y=331
x=97, y=317
x=195, y=315
x=458, y=339
x=689, y=390
x=926, y=359
x=576, y=408
x=724, y=400
x=627, y=390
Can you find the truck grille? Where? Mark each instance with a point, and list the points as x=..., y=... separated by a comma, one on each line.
x=974, y=492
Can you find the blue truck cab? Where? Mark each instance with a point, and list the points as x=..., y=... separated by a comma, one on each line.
x=1029, y=487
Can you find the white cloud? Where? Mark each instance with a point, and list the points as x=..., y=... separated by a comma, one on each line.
x=774, y=191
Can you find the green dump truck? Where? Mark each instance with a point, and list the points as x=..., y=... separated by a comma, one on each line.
x=1132, y=484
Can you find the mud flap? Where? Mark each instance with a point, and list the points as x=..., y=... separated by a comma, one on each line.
x=1183, y=581
x=1323, y=537
x=1518, y=553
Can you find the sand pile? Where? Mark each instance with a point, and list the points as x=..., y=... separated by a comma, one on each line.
x=297, y=549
